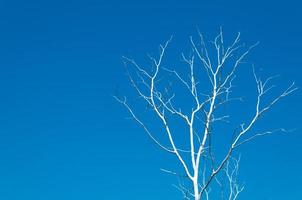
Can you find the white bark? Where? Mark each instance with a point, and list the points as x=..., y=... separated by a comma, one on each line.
x=221, y=88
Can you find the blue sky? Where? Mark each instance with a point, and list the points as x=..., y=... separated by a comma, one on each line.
x=62, y=135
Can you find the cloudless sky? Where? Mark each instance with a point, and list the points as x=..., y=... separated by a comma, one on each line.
x=62, y=135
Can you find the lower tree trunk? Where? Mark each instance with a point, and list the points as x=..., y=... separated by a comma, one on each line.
x=196, y=190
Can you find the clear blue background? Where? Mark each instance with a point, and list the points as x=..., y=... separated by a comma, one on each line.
x=62, y=136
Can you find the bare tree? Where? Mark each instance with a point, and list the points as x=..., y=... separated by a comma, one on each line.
x=219, y=63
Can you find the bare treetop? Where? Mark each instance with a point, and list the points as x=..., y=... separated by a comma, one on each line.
x=199, y=162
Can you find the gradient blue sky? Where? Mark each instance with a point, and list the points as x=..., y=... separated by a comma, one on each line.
x=62, y=136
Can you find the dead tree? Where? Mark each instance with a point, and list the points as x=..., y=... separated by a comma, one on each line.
x=220, y=63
